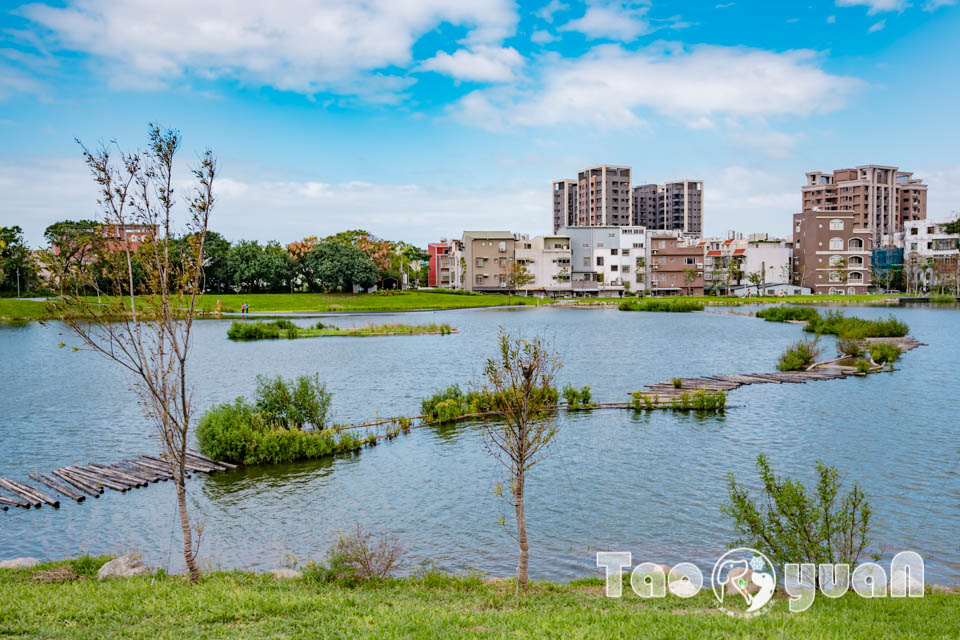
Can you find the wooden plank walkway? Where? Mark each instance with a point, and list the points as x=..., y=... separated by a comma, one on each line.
x=78, y=482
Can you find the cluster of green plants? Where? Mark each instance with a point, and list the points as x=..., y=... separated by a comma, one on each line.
x=453, y=403
x=800, y=355
x=884, y=352
x=286, y=422
x=578, y=398
x=700, y=400
x=837, y=324
x=285, y=329
x=262, y=330
x=788, y=314
x=850, y=347
x=677, y=383
x=863, y=366
x=669, y=305
x=641, y=400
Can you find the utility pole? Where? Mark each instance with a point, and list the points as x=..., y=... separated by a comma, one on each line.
x=18, y=282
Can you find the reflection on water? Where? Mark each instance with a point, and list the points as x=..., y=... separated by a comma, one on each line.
x=615, y=480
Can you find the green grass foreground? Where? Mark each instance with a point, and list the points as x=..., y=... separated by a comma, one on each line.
x=245, y=605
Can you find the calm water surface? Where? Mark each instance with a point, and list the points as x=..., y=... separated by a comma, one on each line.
x=652, y=484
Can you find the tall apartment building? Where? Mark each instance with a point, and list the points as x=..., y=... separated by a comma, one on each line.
x=565, y=210
x=444, y=264
x=831, y=252
x=881, y=198
x=488, y=257
x=673, y=206
x=932, y=255
x=603, y=196
x=646, y=205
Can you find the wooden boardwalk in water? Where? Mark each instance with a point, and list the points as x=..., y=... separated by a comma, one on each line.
x=78, y=482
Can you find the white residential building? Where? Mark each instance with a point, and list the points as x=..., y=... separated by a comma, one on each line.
x=547, y=259
x=607, y=260
x=930, y=254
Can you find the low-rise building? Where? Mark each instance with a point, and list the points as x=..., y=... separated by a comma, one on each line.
x=445, y=264
x=488, y=258
x=547, y=261
x=931, y=255
x=607, y=260
x=831, y=253
x=675, y=264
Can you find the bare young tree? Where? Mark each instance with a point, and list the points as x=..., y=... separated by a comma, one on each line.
x=520, y=381
x=145, y=323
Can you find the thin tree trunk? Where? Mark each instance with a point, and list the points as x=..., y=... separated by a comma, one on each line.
x=521, y=529
x=188, y=554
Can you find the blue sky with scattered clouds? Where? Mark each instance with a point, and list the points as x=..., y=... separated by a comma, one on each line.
x=417, y=119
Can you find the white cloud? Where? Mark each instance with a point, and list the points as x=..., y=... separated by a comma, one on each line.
x=877, y=26
x=749, y=199
x=307, y=46
x=933, y=5
x=14, y=81
x=610, y=86
x=775, y=144
x=876, y=6
x=831, y=19
x=480, y=64
x=288, y=210
x=552, y=7
x=543, y=37
x=943, y=192
x=725, y=5
x=624, y=21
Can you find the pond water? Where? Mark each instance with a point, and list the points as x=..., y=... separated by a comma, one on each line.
x=652, y=484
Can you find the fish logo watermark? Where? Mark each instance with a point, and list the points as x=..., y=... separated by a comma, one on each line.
x=745, y=572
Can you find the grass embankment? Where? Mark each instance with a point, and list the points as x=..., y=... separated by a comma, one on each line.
x=244, y=605
x=22, y=310
x=286, y=329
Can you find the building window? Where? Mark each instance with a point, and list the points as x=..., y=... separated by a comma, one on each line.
x=856, y=260
x=625, y=252
x=835, y=260
x=613, y=252
x=503, y=245
x=613, y=267
x=855, y=243
x=599, y=261
x=834, y=276
x=836, y=244
x=663, y=244
x=856, y=276
x=913, y=231
x=689, y=261
x=586, y=261
x=836, y=225
x=600, y=245
x=479, y=262
x=479, y=279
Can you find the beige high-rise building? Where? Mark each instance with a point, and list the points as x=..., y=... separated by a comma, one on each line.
x=680, y=206
x=603, y=196
x=881, y=198
x=565, y=208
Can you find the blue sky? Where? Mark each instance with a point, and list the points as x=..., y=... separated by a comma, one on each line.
x=418, y=119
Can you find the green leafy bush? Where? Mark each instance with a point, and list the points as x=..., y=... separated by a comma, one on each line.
x=799, y=356
x=668, y=305
x=863, y=366
x=453, y=403
x=883, y=352
x=790, y=525
x=238, y=433
x=293, y=404
x=578, y=399
x=678, y=383
x=786, y=314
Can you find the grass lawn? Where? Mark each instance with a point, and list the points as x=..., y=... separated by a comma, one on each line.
x=284, y=328
x=244, y=605
x=21, y=310
x=355, y=302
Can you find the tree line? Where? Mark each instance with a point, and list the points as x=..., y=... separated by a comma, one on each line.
x=80, y=252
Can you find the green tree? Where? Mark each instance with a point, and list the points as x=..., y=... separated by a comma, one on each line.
x=689, y=276
x=341, y=266
x=216, y=269
x=520, y=380
x=16, y=262
x=74, y=245
x=790, y=525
